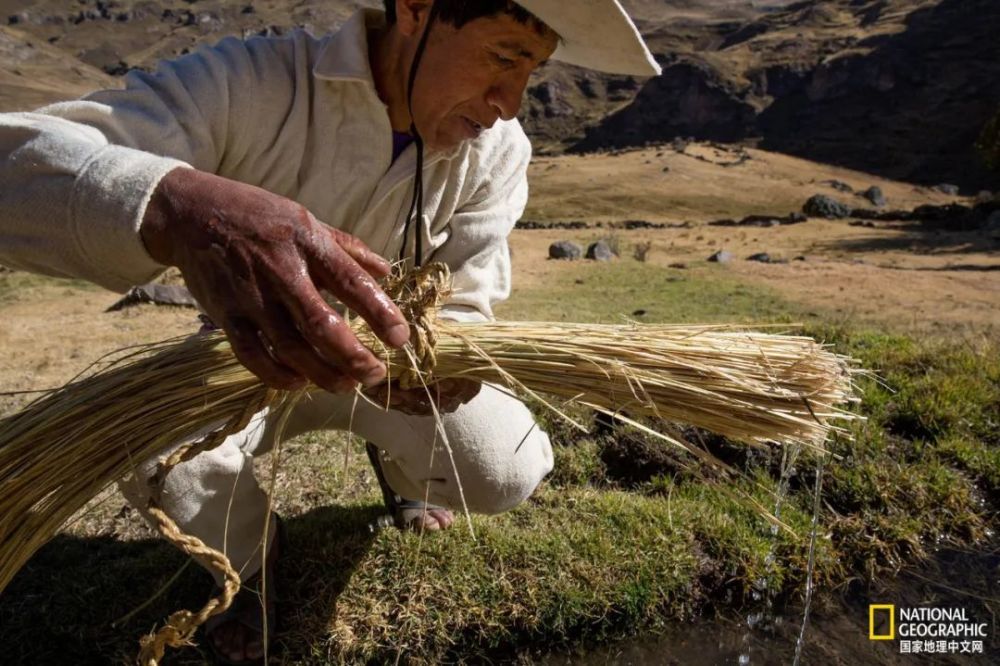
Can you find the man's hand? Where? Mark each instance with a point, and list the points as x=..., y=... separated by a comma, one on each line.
x=448, y=394
x=256, y=261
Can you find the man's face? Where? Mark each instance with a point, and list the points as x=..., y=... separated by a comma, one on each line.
x=471, y=76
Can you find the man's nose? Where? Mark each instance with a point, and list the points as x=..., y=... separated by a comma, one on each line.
x=505, y=96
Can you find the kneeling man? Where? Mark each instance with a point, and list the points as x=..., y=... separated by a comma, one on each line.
x=274, y=169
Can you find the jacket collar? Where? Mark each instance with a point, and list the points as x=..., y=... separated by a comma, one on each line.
x=345, y=55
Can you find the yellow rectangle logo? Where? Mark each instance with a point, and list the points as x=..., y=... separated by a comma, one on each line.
x=880, y=634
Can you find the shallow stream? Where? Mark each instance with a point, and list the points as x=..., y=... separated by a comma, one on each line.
x=837, y=633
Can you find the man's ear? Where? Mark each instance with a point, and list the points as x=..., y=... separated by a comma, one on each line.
x=411, y=15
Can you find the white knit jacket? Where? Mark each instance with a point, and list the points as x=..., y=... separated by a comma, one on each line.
x=298, y=116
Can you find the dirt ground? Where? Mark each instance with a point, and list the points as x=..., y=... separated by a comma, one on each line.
x=890, y=274
x=50, y=332
x=942, y=291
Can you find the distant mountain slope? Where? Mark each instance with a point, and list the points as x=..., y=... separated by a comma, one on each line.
x=896, y=87
x=115, y=35
x=34, y=73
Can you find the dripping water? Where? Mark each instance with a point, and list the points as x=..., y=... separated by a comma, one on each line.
x=762, y=590
x=817, y=494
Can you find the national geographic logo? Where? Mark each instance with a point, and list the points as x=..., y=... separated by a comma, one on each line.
x=927, y=630
x=882, y=622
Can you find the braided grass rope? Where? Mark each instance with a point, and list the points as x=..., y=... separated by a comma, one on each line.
x=63, y=449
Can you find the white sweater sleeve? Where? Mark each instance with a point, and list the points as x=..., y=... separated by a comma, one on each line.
x=76, y=177
x=476, y=249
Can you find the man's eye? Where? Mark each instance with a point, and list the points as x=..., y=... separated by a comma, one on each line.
x=503, y=60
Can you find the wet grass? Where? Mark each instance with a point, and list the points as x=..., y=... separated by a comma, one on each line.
x=623, y=537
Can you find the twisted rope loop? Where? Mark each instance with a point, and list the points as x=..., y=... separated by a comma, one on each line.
x=181, y=626
x=419, y=293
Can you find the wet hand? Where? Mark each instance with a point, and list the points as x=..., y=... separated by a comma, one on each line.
x=256, y=263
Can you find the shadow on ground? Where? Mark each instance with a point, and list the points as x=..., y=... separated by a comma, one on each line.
x=73, y=604
x=918, y=238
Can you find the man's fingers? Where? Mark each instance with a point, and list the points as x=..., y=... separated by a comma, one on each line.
x=343, y=277
x=249, y=350
x=290, y=347
x=373, y=263
x=327, y=333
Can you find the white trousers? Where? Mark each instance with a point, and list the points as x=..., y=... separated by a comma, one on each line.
x=500, y=454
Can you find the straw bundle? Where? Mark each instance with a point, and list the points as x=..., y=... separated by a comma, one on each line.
x=62, y=450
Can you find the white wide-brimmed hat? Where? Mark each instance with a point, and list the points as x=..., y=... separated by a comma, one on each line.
x=596, y=34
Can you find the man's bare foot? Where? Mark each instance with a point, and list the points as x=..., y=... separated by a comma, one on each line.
x=408, y=514
x=427, y=518
x=239, y=641
x=237, y=635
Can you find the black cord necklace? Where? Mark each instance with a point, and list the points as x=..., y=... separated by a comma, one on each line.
x=417, y=204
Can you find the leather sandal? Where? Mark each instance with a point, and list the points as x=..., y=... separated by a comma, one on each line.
x=401, y=512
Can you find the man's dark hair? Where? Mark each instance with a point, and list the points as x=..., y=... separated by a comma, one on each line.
x=460, y=12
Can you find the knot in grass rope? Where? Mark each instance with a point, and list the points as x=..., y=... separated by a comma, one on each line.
x=181, y=626
x=419, y=293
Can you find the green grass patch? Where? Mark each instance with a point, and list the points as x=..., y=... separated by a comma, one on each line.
x=611, y=292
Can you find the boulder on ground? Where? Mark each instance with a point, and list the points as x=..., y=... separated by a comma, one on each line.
x=158, y=294
x=821, y=205
x=600, y=251
x=875, y=196
x=839, y=185
x=986, y=197
x=946, y=188
x=721, y=257
x=762, y=257
x=567, y=250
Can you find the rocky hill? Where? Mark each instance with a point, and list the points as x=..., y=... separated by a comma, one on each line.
x=895, y=87
x=112, y=36
x=115, y=35
x=34, y=72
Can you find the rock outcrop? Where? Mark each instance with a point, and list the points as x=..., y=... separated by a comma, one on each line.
x=896, y=87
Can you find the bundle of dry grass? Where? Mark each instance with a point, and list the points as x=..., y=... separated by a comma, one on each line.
x=63, y=449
